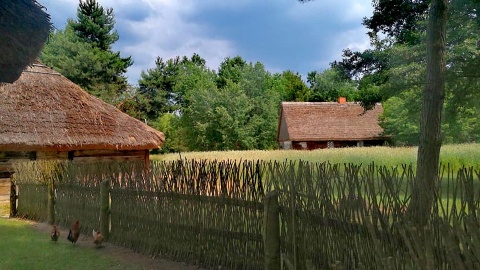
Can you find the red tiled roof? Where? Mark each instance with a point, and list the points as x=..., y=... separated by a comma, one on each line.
x=328, y=121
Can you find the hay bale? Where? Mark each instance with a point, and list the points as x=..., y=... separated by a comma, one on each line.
x=24, y=28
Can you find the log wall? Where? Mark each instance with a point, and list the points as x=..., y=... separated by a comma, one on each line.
x=8, y=157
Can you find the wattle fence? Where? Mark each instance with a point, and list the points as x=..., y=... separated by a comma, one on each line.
x=261, y=215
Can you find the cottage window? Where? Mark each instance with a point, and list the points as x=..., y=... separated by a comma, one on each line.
x=303, y=145
x=286, y=145
x=330, y=144
x=360, y=144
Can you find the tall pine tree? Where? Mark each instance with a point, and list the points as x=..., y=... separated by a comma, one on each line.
x=95, y=24
x=89, y=40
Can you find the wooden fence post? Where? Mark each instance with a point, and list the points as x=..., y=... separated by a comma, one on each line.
x=105, y=208
x=271, y=231
x=51, y=202
x=13, y=199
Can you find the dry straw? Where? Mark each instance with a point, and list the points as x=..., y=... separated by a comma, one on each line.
x=24, y=28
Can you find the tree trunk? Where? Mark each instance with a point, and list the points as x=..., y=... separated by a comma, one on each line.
x=428, y=156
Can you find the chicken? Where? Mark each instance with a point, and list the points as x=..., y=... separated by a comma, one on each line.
x=55, y=233
x=74, y=232
x=97, y=238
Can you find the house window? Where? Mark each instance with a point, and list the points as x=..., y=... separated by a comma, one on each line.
x=330, y=144
x=286, y=145
x=303, y=145
x=360, y=144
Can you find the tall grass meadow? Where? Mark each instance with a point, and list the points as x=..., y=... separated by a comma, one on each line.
x=456, y=155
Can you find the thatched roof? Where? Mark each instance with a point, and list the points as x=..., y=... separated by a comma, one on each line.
x=24, y=28
x=328, y=121
x=43, y=110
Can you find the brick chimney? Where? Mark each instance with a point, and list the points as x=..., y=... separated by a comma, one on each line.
x=342, y=100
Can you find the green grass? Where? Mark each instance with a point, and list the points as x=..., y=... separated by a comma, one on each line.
x=22, y=247
x=456, y=155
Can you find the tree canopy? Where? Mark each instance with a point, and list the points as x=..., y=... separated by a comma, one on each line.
x=82, y=52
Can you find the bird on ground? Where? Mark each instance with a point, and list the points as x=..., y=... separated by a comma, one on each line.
x=55, y=234
x=97, y=238
x=74, y=232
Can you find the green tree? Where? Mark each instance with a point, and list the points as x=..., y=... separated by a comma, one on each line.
x=157, y=87
x=262, y=119
x=72, y=57
x=95, y=24
x=329, y=84
x=230, y=70
x=164, y=88
x=240, y=115
x=292, y=87
x=392, y=18
x=82, y=52
x=428, y=158
x=169, y=124
x=165, y=96
x=397, y=19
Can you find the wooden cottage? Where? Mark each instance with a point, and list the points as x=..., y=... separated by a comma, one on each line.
x=313, y=125
x=43, y=115
x=24, y=28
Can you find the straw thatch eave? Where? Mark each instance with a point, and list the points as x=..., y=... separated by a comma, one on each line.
x=44, y=111
x=24, y=28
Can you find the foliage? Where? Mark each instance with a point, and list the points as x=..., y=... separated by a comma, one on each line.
x=156, y=88
x=241, y=114
x=95, y=24
x=329, y=85
x=394, y=71
x=230, y=70
x=164, y=89
x=82, y=52
x=169, y=124
x=396, y=18
x=407, y=77
x=292, y=87
x=222, y=119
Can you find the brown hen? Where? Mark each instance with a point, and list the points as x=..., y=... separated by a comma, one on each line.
x=74, y=232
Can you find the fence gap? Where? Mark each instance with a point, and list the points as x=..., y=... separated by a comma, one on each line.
x=13, y=199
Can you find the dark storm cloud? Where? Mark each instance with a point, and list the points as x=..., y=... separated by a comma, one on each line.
x=282, y=34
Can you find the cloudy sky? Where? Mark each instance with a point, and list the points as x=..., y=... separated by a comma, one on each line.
x=281, y=34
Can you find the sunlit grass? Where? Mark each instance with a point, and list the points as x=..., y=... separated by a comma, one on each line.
x=456, y=155
x=22, y=247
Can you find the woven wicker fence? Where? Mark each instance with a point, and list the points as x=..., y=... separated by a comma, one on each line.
x=198, y=211
x=331, y=216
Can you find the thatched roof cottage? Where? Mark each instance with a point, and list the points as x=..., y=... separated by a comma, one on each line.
x=43, y=115
x=24, y=28
x=313, y=125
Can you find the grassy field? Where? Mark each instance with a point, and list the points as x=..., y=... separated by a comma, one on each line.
x=456, y=155
x=22, y=248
